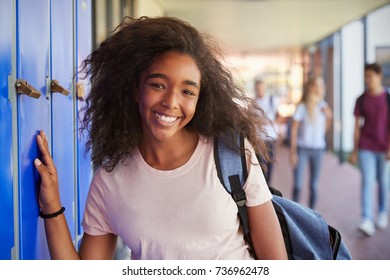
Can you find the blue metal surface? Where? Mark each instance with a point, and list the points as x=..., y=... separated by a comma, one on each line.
x=44, y=50
x=33, y=115
x=6, y=172
x=63, y=115
x=83, y=46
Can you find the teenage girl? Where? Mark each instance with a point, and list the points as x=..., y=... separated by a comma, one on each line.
x=311, y=121
x=158, y=97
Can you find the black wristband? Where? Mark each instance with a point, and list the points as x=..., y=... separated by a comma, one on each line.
x=52, y=215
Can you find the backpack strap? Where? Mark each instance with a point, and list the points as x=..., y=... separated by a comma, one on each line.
x=230, y=161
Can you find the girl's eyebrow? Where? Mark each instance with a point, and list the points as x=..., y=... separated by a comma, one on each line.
x=165, y=77
x=157, y=75
x=191, y=83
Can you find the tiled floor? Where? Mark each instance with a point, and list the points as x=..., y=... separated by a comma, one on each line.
x=339, y=203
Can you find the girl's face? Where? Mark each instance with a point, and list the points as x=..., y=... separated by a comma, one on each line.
x=168, y=93
x=317, y=90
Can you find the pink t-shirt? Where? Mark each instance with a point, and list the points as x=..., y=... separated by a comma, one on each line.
x=183, y=213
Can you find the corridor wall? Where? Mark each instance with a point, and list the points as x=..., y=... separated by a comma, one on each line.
x=378, y=23
x=47, y=40
x=352, y=82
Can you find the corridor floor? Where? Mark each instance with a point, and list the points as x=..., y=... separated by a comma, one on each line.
x=338, y=203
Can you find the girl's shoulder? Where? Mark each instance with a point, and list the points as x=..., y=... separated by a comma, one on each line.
x=300, y=110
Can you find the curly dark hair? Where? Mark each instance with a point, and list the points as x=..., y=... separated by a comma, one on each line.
x=111, y=115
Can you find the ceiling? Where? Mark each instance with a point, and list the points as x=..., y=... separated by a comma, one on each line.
x=264, y=25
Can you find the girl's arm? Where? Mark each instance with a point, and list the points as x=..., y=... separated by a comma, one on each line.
x=57, y=232
x=266, y=234
x=328, y=115
x=98, y=247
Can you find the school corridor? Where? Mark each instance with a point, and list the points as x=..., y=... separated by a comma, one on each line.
x=338, y=203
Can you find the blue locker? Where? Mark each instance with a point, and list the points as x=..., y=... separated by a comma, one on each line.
x=51, y=37
x=6, y=171
x=32, y=55
x=62, y=107
x=84, y=46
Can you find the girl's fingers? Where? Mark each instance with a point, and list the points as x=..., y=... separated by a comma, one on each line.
x=45, y=166
x=44, y=138
x=42, y=170
x=42, y=141
x=45, y=154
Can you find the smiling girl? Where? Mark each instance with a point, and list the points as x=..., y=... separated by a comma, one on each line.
x=159, y=96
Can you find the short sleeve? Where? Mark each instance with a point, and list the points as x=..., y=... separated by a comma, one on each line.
x=356, y=110
x=299, y=113
x=256, y=188
x=94, y=221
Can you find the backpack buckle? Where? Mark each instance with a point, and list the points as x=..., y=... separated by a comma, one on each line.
x=237, y=192
x=239, y=197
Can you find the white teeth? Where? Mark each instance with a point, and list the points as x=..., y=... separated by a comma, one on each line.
x=166, y=118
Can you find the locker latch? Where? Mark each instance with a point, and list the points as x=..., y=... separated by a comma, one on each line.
x=22, y=86
x=56, y=87
x=80, y=91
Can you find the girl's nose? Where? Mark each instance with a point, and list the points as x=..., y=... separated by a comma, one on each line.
x=171, y=99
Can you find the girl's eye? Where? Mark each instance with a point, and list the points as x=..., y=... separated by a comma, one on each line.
x=188, y=92
x=157, y=85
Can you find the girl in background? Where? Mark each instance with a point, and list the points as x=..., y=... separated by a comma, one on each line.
x=310, y=123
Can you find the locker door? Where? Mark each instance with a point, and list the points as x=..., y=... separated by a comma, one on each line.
x=6, y=171
x=63, y=113
x=83, y=46
x=33, y=115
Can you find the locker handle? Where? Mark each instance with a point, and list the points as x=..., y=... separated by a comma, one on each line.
x=80, y=91
x=56, y=87
x=23, y=87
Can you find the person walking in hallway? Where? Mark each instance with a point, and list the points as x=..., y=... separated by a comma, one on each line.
x=310, y=122
x=269, y=104
x=371, y=148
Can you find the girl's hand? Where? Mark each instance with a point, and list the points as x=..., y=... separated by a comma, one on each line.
x=49, y=198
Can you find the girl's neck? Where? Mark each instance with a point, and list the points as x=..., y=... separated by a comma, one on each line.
x=169, y=154
x=311, y=104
